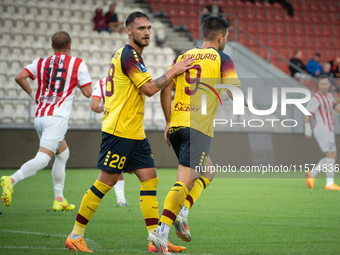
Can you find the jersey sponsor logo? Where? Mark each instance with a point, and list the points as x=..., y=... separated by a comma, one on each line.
x=141, y=67
x=50, y=99
x=186, y=107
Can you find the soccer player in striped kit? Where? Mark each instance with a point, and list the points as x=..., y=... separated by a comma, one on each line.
x=321, y=107
x=188, y=131
x=58, y=77
x=97, y=105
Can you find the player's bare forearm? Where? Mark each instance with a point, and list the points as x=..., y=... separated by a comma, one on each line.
x=166, y=100
x=95, y=105
x=307, y=119
x=87, y=91
x=166, y=106
x=21, y=79
x=161, y=81
x=152, y=87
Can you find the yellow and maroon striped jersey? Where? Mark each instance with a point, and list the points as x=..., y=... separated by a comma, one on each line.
x=124, y=101
x=211, y=67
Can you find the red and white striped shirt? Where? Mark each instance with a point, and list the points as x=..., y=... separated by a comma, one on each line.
x=321, y=106
x=58, y=77
x=100, y=89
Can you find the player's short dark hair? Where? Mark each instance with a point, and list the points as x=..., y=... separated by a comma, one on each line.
x=317, y=54
x=323, y=76
x=213, y=26
x=61, y=40
x=135, y=15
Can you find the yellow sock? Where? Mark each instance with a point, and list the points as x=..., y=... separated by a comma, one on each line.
x=200, y=184
x=89, y=205
x=149, y=204
x=174, y=202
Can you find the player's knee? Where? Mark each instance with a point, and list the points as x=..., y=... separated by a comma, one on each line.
x=64, y=155
x=150, y=184
x=43, y=158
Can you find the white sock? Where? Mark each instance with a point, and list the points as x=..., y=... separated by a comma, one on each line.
x=75, y=237
x=31, y=167
x=163, y=230
x=184, y=211
x=58, y=172
x=330, y=171
x=119, y=190
x=314, y=172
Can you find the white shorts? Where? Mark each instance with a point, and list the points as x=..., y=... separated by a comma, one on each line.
x=51, y=131
x=325, y=139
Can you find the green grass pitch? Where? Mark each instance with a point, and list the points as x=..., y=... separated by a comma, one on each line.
x=233, y=216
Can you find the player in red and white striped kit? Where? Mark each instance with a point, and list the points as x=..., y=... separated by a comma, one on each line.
x=98, y=101
x=321, y=107
x=58, y=77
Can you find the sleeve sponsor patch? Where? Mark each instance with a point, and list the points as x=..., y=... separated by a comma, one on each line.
x=141, y=67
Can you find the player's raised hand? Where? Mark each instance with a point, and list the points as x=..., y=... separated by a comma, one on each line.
x=183, y=65
x=166, y=134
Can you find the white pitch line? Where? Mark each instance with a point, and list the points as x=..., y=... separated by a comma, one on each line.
x=31, y=233
x=57, y=235
x=31, y=248
x=42, y=234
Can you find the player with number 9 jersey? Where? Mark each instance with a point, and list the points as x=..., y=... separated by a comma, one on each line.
x=189, y=128
x=211, y=67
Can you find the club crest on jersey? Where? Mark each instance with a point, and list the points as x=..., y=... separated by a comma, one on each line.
x=141, y=67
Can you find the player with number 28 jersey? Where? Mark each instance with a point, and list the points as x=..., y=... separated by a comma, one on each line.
x=126, y=75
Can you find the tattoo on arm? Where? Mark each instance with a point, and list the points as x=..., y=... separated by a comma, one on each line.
x=161, y=81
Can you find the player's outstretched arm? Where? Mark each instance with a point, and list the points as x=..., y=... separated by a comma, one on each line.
x=152, y=87
x=95, y=105
x=166, y=106
x=21, y=79
x=308, y=129
x=87, y=91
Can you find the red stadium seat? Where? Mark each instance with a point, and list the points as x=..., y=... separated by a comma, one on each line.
x=308, y=28
x=325, y=29
x=262, y=38
x=195, y=34
x=299, y=39
x=280, y=39
x=328, y=41
x=318, y=40
x=271, y=27
x=298, y=27
x=290, y=40
x=243, y=39
x=280, y=28
x=309, y=39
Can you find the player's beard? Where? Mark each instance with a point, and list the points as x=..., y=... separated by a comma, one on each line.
x=139, y=43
